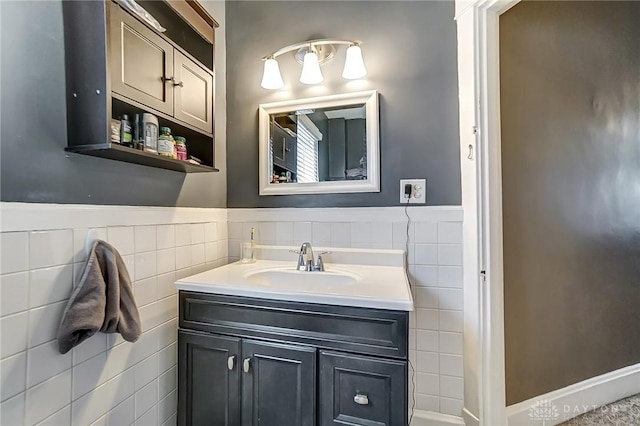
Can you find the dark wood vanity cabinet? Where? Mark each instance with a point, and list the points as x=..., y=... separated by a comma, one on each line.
x=273, y=376
x=278, y=384
x=249, y=362
x=357, y=388
x=210, y=382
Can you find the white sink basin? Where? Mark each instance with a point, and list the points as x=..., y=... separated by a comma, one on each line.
x=354, y=277
x=301, y=279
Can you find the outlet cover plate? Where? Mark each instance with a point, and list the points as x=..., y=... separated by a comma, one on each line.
x=418, y=191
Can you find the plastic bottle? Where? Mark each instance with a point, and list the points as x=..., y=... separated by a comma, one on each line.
x=126, y=138
x=181, y=148
x=166, y=144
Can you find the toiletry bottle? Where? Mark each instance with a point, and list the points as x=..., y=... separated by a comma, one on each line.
x=149, y=126
x=137, y=132
x=181, y=148
x=126, y=138
x=165, y=142
x=253, y=242
x=175, y=149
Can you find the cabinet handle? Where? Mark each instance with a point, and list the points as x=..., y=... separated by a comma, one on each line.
x=178, y=84
x=361, y=399
x=246, y=364
x=231, y=362
x=165, y=79
x=284, y=147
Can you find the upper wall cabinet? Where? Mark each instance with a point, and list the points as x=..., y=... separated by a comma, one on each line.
x=149, y=70
x=117, y=64
x=142, y=62
x=193, y=93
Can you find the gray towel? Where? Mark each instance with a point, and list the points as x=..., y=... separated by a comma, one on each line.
x=101, y=301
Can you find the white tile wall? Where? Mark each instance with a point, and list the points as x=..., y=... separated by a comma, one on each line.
x=435, y=272
x=103, y=381
x=106, y=381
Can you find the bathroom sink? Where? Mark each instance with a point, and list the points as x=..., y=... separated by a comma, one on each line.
x=301, y=279
x=354, y=277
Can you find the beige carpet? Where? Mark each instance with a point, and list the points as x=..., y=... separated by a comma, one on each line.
x=625, y=412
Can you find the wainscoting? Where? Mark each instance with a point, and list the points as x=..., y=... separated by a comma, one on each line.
x=104, y=380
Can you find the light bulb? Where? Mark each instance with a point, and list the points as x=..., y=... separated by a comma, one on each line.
x=311, y=73
x=271, y=78
x=354, y=65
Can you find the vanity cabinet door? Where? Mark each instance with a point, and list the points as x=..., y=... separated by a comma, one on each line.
x=361, y=390
x=278, y=384
x=140, y=62
x=208, y=380
x=193, y=97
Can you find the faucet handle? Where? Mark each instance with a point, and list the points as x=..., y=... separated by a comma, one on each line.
x=301, y=266
x=320, y=262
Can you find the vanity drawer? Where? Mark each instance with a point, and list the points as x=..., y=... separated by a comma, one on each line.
x=362, y=330
x=359, y=390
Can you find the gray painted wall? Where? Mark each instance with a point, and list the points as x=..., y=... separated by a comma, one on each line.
x=571, y=177
x=34, y=165
x=410, y=52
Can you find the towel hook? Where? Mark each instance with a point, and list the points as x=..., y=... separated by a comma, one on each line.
x=88, y=241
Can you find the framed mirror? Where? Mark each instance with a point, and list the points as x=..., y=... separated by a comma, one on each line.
x=322, y=145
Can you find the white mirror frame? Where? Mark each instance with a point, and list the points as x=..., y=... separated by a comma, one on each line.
x=371, y=184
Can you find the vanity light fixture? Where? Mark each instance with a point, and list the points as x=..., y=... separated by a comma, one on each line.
x=311, y=73
x=271, y=79
x=311, y=54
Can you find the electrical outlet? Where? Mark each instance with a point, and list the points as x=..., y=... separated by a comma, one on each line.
x=418, y=191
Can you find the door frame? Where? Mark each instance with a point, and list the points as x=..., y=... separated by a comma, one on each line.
x=486, y=244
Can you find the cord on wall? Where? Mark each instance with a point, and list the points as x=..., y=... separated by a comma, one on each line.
x=408, y=192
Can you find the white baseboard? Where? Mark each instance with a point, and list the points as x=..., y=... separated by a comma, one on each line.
x=430, y=418
x=578, y=398
x=469, y=418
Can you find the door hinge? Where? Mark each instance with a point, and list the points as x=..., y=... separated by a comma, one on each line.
x=483, y=274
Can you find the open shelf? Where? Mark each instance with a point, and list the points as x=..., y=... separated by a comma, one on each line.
x=130, y=155
x=199, y=144
x=122, y=104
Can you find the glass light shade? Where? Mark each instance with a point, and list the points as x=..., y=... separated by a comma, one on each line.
x=271, y=78
x=354, y=65
x=311, y=73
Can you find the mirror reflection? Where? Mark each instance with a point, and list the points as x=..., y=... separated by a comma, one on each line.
x=318, y=145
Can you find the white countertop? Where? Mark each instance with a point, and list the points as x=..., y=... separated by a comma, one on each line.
x=360, y=285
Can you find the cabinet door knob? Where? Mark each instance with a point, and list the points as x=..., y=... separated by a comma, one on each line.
x=361, y=399
x=165, y=79
x=246, y=364
x=178, y=84
x=231, y=362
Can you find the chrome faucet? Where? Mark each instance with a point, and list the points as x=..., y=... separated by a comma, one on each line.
x=306, y=261
x=306, y=253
